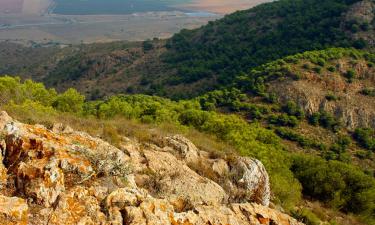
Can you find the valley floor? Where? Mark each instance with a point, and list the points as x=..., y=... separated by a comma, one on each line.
x=96, y=28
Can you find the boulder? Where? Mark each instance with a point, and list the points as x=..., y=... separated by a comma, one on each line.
x=176, y=180
x=253, y=178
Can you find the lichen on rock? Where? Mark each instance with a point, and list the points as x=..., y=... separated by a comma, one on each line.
x=63, y=176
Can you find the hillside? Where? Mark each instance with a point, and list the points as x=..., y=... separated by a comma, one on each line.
x=339, y=81
x=312, y=100
x=228, y=124
x=278, y=101
x=196, y=61
x=222, y=49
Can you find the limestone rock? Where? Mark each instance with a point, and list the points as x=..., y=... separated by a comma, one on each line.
x=77, y=206
x=184, y=146
x=43, y=182
x=69, y=177
x=3, y=169
x=13, y=210
x=177, y=180
x=352, y=109
x=254, y=178
x=4, y=119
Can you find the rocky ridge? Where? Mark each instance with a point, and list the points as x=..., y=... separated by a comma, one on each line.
x=57, y=175
x=350, y=106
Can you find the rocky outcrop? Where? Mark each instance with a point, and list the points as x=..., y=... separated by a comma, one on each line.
x=362, y=13
x=62, y=176
x=351, y=107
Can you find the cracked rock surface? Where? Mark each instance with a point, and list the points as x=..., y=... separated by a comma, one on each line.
x=61, y=176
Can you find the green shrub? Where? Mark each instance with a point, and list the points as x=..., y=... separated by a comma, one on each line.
x=331, y=69
x=365, y=137
x=368, y=92
x=321, y=62
x=363, y=154
x=12, y=89
x=325, y=120
x=283, y=120
x=318, y=69
x=69, y=101
x=306, y=66
x=147, y=45
x=304, y=142
x=292, y=109
x=332, y=97
x=306, y=216
x=365, y=26
x=342, y=186
x=350, y=75
x=314, y=119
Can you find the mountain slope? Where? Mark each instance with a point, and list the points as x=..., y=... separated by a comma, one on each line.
x=305, y=154
x=267, y=32
x=199, y=60
x=338, y=81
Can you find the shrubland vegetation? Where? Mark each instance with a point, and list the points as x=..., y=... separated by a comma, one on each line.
x=352, y=189
x=238, y=57
x=345, y=188
x=255, y=80
x=368, y=92
x=200, y=60
x=250, y=38
x=365, y=137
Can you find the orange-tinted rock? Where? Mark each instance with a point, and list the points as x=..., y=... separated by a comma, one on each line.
x=77, y=206
x=13, y=211
x=69, y=177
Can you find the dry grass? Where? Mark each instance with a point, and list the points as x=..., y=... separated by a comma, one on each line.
x=331, y=216
x=112, y=130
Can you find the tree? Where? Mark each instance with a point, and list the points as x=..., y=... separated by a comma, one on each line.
x=70, y=101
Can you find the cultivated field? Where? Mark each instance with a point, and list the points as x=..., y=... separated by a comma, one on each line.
x=38, y=21
x=95, y=28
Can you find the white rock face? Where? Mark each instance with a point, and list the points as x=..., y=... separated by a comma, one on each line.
x=254, y=178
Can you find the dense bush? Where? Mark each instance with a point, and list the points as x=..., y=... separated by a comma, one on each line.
x=325, y=120
x=368, y=92
x=147, y=45
x=283, y=120
x=304, y=142
x=292, y=109
x=69, y=101
x=11, y=89
x=306, y=216
x=350, y=75
x=249, y=38
x=365, y=137
x=332, y=97
x=229, y=98
x=255, y=80
x=338, y=184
